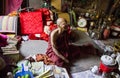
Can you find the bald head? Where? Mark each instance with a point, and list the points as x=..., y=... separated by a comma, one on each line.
x=61, y=21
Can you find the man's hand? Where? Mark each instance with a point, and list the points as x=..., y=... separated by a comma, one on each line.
x=66, y=60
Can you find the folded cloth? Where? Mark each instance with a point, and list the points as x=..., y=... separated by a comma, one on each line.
x=41, y=57
x=9, y=49
x=11, y=52
x=11, y=40
x=45, y=58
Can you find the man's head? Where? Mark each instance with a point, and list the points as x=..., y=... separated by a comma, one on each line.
x=62, y=23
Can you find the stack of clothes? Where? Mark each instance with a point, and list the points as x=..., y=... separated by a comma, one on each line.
x=40, y=66
x=11, y=45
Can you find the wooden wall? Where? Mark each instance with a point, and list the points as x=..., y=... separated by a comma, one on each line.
x=56, y=4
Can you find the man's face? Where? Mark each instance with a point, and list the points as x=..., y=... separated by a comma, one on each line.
x=63, y=25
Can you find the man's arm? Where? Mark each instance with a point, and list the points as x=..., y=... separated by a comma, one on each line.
x=53, y=37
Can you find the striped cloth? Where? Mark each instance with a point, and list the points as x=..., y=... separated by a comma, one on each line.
x=8, y=24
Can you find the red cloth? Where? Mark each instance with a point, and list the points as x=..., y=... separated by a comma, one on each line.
x=107, y=69
x=36, y=26
x=31, y=22
x=53, y=26
x=46, y=14
x=45, y=36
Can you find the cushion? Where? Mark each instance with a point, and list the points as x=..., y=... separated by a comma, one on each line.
x=31, y=22
x=8, y=24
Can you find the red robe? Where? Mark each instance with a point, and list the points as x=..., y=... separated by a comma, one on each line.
x=68, y=51
x=62, y=47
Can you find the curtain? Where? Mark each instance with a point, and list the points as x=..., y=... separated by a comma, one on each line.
x=12, y=5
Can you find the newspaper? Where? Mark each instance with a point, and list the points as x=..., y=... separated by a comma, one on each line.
x=53, y=71
x=60, y=72
x=85, y=74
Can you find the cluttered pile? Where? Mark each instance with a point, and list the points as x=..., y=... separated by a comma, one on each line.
x=35, y=67
x=9, y=44
x=109, y=68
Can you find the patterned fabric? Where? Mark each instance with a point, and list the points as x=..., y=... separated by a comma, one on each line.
x=31, y=22
x=8, y=24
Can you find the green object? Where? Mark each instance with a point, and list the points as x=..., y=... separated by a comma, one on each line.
x=73, y=17
x=27, y=76
x=15, y=70
x=22, y=77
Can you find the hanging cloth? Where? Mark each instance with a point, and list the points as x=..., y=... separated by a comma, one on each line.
x=12, y=5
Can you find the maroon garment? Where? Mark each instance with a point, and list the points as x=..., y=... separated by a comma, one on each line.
x=70, y=52
x=62, y=47
x=3, y=40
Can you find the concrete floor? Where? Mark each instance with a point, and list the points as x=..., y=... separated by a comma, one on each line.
x=86, y=61
x=83, y=63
